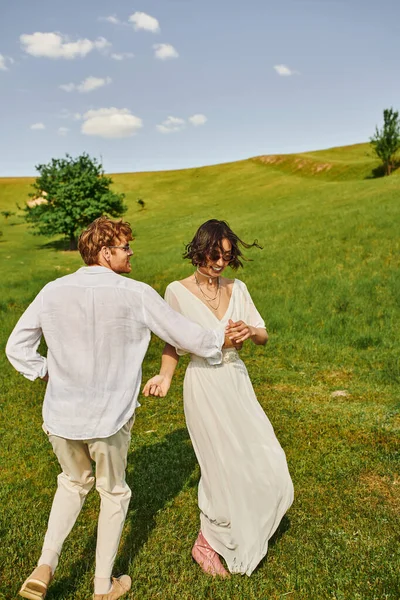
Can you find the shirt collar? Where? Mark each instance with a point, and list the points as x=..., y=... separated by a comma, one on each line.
x=95, y=270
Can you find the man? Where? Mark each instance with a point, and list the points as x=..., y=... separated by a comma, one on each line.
x=97, y=327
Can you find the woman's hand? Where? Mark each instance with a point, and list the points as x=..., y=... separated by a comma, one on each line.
x=157, y=386
x=239, y=332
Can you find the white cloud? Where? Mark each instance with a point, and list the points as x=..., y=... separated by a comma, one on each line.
x=197, y=120
x=141, y=20
x=101, y=43
x=111, y=123
x=87, y=85
x=62, y=130
x=171, y=125
x=174, y=124
x=38, y=126
x=56, y=45
x=67, y=87
x=67, y=114
x=92, y=83
x=111, y=19
x=164, y=51
x=122, y=55
x=3, y=62
x=284, y=71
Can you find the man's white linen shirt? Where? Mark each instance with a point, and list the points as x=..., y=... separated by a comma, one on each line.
x=97, y=327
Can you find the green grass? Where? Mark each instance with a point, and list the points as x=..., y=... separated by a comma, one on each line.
x=327, y=284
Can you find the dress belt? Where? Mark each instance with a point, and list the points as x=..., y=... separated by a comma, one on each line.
x=229, y=355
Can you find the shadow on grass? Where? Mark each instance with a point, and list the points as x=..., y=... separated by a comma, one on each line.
x=380, y=171
x=159, y=473
x=283, y=527
x=62, y=244
x=156, y=474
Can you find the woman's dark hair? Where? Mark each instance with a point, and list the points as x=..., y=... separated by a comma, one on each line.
x=207, y=243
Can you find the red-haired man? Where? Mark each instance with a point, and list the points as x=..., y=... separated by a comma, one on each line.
x=97, y=327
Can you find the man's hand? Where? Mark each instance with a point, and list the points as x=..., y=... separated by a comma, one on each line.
x=45, y=378
x=238, y=332
x=229, y=343
x=157, y=386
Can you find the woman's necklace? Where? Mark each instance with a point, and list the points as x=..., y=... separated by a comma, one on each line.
x=210, y=279
x=207, y=298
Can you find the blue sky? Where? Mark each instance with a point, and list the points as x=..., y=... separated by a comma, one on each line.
x=165, y=84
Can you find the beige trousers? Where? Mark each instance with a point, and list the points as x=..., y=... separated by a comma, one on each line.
x=75, y=482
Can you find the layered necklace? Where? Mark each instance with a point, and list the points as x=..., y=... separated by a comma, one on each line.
x=209, y=300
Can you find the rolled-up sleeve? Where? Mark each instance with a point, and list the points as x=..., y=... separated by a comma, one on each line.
x=22, y=345
x=178, y=331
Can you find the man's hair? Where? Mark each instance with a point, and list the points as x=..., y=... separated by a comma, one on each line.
x=207, y=243
x=102, y=232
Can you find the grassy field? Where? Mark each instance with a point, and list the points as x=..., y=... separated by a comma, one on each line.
x=328, y=285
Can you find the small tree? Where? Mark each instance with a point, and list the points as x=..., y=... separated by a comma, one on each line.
x=7, y=214
x=69, y=194
x=141, y=203
x=386, y=141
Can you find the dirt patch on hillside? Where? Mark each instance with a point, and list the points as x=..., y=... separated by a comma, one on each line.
x=297, y=164
x=323, y=167
x=272, y=160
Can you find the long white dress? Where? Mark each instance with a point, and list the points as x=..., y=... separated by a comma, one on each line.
x=245, y=486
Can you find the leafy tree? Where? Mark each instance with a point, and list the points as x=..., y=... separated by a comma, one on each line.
x=386, y=141
x=69, y=194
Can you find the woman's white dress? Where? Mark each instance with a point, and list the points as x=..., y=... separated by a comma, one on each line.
x=245, y=486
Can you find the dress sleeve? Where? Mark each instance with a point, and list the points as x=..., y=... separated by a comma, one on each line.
x=177, y=330
x=253, y=316
x=172, y=300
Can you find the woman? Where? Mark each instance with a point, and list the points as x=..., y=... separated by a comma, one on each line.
x=245, y=486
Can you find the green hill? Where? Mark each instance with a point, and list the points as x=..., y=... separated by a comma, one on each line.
x=329, y=231
x=327, y=283
x=335, y=164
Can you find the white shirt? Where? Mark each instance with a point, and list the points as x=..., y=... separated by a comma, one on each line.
x=97, y=328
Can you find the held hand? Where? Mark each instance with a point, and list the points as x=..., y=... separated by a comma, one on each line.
x=45, y=378
x=229, y=343
x=239, y=332
x=157, y=386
